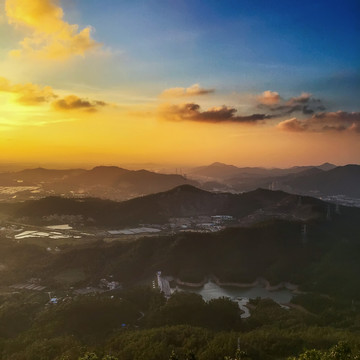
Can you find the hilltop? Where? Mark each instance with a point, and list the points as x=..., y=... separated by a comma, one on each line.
x=182, y=201
x=107, y=182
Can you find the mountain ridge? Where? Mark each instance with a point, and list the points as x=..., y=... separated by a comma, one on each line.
x=181, y=201
x=218, y=170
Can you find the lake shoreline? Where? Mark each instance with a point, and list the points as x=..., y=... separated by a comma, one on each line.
x=258, y=282
x=191, y=284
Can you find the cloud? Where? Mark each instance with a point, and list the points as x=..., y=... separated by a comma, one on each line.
x=324, y=122
x=31, y=95
x=73, y=102
x=50, y=36
x=192, y=112
x=193, y=90
x=305, y=103
x=269, y=97
x=304, y=98
x=292, y=125
x=28, y=94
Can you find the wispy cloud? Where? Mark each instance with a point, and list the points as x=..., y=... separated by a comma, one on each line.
x=28, y=94
x=34, y=95
x=193, y=90
x=50, y=36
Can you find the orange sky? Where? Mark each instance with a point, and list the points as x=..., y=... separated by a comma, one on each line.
x=51, y=113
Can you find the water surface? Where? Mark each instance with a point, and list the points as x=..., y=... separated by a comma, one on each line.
x=242, y=295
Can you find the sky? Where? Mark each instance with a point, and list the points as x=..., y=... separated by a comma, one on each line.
x=179, y=82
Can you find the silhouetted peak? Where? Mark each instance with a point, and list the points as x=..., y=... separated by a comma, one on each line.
x=219, y=164
x=326, y=166
x=107, y=168
x=187, y=189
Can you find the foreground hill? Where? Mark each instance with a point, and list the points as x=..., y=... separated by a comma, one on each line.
x=182, y=201
x=326, y=260
x=274, y=246
x=138, y=323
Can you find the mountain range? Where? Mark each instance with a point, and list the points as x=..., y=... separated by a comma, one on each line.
x=220, y=171
x=115, y=183
x=109, y=182
x=182, y=201
x=324, y=180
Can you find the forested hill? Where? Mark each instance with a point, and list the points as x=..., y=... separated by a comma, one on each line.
x=325, y=264
x=326, y=261
x=182, y=201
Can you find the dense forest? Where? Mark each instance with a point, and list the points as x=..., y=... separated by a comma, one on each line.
x=140, y=324
x=326, y=261
x=137, y=322
x=182, y=201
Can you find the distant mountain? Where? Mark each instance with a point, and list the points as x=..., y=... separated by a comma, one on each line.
x=33, y=177
x=326, y=166
x=216, y=171
x=122, y=183
x=118, y=184
x=182, y=201
x=323, y=180
x=109, y=182
x=342, y=180
x=220, y=171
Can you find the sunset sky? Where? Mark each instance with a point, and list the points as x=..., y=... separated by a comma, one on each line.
x=249, y=83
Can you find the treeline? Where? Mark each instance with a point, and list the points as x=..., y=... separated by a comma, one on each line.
x=139, y=324
x=181, y=341
x=341, y=351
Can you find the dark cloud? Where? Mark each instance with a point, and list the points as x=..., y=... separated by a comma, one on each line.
x=323, y=122
x=192, y=112
x=73, y=102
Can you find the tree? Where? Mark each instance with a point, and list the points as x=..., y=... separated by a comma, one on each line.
x=109, y=357
x=173, y=356
x=89, y=356
x=190, y=356
x=341, y=351
x=310, y=355
x=239, y=355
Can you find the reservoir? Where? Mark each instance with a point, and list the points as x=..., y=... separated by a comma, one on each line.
x=241, y=295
